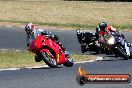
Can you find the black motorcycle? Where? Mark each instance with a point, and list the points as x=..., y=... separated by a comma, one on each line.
x=87, y=41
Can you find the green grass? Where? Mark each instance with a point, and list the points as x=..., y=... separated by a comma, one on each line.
x=72, y=25
x=12, y=58
x=80, y=57
x=69, y=25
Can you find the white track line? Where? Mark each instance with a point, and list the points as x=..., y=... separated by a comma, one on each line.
x=3, y=49
x=10, y=69
x=17, y=50
x=37, y=67
x=8, y=49
x=84, y=61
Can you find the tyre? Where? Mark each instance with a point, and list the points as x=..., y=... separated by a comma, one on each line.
x=122, y=53
x=83, y=48
x=69, y=62
x=130, y=55
x=49, y=60
x=94, y=48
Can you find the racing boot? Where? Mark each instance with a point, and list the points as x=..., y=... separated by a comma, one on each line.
x=56, y=39
x=62, y=47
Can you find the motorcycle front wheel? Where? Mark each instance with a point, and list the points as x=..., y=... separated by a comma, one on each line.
x=49, y=60
x=69, y=62
x=123, y=53
x=130, y=55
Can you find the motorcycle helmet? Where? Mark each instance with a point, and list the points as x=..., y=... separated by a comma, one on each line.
x=29, y=28
x=79, y=31
x=102, y=26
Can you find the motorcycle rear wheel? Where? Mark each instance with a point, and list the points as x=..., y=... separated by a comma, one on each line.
x=50, y=61
x=83, y=48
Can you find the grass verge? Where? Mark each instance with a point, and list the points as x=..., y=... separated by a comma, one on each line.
x=69, y=25
x=53, y=24
x=12, y=58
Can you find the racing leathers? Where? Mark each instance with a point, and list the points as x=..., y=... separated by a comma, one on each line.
x=108, y=29
x=102, y=33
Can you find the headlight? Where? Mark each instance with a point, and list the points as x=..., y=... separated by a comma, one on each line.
x=111, y=41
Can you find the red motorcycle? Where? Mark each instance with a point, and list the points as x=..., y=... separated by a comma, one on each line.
x=50, y=52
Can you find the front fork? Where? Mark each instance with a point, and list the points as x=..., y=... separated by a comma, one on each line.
x=127, y=49
x=125, y=44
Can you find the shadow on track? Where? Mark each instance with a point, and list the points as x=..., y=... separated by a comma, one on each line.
x=112, y=58
x=45, y=68
x=39, y=68
x=106, y=57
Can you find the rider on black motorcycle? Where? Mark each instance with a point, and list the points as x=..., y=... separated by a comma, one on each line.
x=32, y=32
x=87, y=41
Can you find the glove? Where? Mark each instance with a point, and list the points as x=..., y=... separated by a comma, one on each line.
x=46, y=33
x=47, y=36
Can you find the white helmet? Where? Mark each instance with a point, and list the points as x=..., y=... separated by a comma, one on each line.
x=79, y=31
x=29, y=26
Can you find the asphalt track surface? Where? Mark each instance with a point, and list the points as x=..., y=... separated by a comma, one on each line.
x=14, y=38
x=62, y=77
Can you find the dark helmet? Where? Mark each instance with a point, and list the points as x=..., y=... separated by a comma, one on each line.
x=102, y=26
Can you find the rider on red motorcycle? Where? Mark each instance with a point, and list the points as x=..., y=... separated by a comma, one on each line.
x=32, y=32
